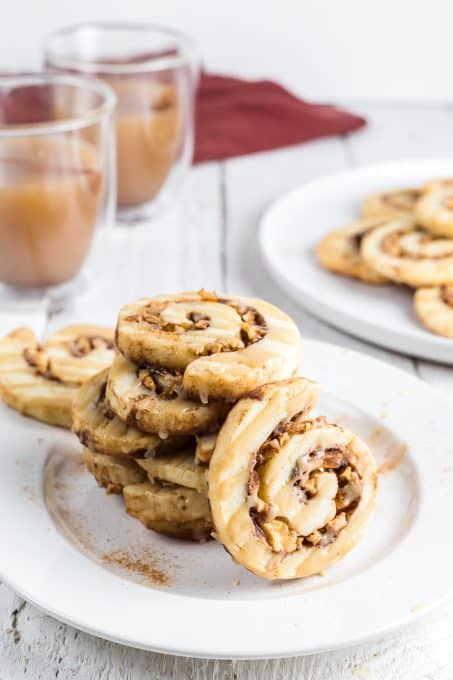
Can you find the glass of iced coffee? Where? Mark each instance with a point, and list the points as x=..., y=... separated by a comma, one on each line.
x=57, y=177
x=153, y=72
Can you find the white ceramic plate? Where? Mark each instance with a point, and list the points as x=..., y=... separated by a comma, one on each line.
x=292, y=227
x=72, y=550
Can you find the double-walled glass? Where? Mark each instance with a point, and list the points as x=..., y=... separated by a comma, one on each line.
x=57, y=177
x=153, y=72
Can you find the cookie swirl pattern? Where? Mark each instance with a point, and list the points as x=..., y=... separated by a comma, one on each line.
x=406, y=253
x=289, y=496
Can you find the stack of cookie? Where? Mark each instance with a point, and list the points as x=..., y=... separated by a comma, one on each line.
x=202, y=426
x=199, y=422
x=404, y=237
x=149, y=423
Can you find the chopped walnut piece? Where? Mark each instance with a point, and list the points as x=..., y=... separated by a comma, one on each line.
x=348, y=495
x=226, y=344
x=279, y=536
x=299, y=425
x=337, y=523
x=208, y=296
x=347, y=475
x=147, y=380
x=201, y=325
x=311, y=485
x=36, y=358
x=332, y=459
x=196, y=317
x=314, y=538
x=163, y=382
x=84, y=344
x=446, y=293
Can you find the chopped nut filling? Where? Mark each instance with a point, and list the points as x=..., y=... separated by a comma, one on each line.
x=37, y=359
x=84, y=344
x=280, y=536
x=165, y=382
x=446, y=293
x=306, y=476
x=102, y=405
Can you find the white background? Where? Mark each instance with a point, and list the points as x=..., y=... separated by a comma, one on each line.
x=321, y=48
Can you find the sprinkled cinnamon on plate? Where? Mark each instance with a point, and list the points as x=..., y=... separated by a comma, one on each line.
x=393, y=460
x=375, y=436
x=145, y=566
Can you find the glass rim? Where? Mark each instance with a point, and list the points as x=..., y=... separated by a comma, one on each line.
x=189, y=55
x=67, y=124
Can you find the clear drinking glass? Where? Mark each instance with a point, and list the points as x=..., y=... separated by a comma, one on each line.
x=57, y=177
x=153, y=72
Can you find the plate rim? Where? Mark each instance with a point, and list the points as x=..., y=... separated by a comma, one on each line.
x=220, y=652
x=435, y=348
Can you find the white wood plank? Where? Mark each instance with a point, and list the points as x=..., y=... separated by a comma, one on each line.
x=399, y=132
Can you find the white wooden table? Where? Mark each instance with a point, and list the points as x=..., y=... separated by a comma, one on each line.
x=215, y=246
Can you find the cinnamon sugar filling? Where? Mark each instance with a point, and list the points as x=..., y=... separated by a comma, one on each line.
x=392, y=246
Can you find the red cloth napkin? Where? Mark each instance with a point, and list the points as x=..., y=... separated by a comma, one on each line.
x=235, y=117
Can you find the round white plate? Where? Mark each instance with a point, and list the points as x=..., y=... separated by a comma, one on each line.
x=294, y=224
x=73, y=551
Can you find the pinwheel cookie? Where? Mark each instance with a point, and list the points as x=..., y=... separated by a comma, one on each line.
x=174, y=500
x=434, y=210
x=224, y=346
x=40, y=380
x=111, y=472
x=100, y=430
x=288, y=496
x=153, y=399
x=406, y=253
x=166, y=493
x=391, y=204
x=434, y=308
x=339, y=251
x=172, y=510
